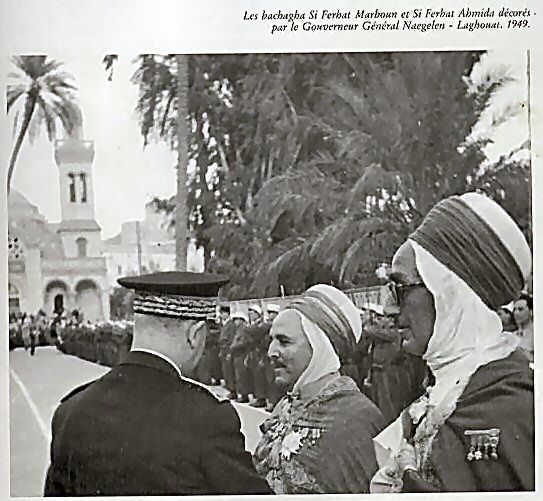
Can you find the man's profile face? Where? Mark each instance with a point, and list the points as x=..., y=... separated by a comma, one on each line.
x=289, y=349
x=522, y=311
x=417, y=311
x=272, y=315
x=253, y=316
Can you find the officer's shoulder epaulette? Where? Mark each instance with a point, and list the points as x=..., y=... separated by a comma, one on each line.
x=75, y=391
x=205, y=389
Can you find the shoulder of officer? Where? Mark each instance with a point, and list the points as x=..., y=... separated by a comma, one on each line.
x=75, y=391
x=205, y=390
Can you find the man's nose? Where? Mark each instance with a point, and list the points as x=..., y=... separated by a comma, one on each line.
x=272, y=350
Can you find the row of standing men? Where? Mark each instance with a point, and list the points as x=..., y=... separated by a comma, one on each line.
x=236, y=350
x=236, y=356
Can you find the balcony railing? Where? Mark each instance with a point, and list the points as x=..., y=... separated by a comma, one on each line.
x=74, y=151
x=77, y=263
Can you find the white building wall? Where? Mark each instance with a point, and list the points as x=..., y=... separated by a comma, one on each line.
x=69, y=242
x=32, y=300
x=123, y=261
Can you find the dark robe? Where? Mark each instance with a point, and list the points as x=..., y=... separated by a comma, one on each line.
x=498, y=395
x=330, y=439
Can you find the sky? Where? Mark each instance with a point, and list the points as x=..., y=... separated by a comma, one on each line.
x=126, y=175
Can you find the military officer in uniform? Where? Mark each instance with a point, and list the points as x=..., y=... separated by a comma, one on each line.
x=273, y=391
x=257, y=334
x=226, y=336
x=145, y=428
x=239, y=350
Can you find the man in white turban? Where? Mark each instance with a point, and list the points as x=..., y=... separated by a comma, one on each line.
x=474, y=429
x=319, y=436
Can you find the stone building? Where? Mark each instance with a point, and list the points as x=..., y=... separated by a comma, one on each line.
x=67, y=265
x=59, y=266
x=146, y=246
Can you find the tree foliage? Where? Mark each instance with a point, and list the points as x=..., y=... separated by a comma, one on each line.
x=313, y=168
x=46, y=97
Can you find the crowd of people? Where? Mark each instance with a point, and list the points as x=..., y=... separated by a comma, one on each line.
x=29, y=330
x=432, y=392
x=236, y=355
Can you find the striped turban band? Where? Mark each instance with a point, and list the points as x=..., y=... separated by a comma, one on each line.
x=479, y=242
x=330, y=317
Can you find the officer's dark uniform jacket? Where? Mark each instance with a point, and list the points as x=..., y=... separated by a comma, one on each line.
x=141, y=430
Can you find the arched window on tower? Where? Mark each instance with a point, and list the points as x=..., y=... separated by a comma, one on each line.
x=81, y=246
x=83, y=178
x=72, y=187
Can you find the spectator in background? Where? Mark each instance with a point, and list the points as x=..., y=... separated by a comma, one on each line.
x=26, y=328
x=212, y=348
x=76, y=318
x=12, y=331
x=257, y=334
x=240, y=348
x=395, y=378
x=207, y=366
x=508, y=320
x=272, y=310
x=522, y=312
x=34, y=334
x=226, y=337
x=54, y=332
x=349, y=367
x=42, y=327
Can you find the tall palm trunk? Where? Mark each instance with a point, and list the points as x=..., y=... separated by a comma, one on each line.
x=29, y=110
x=181, y=208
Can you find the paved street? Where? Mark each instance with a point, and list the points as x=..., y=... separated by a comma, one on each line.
x=36, y=386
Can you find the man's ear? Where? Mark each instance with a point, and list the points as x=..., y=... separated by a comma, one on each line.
x=196, y=331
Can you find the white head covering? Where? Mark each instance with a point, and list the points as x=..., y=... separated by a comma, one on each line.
x=255, y=308
x=325, y=359
x=273, y=308
x=241, y=315
x=467, y=334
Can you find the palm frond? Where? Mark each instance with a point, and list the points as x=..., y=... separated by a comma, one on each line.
x=48, y=116
x=14, y=92
x=108, y=63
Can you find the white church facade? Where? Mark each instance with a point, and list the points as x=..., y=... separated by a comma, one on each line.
x=59, y=266
x=66, y=265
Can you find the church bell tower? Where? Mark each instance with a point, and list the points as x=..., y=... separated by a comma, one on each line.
x=78, y=228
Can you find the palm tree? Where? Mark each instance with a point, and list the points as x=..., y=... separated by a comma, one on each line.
x=181, y=207
x=46, y=95
x=162, y=107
